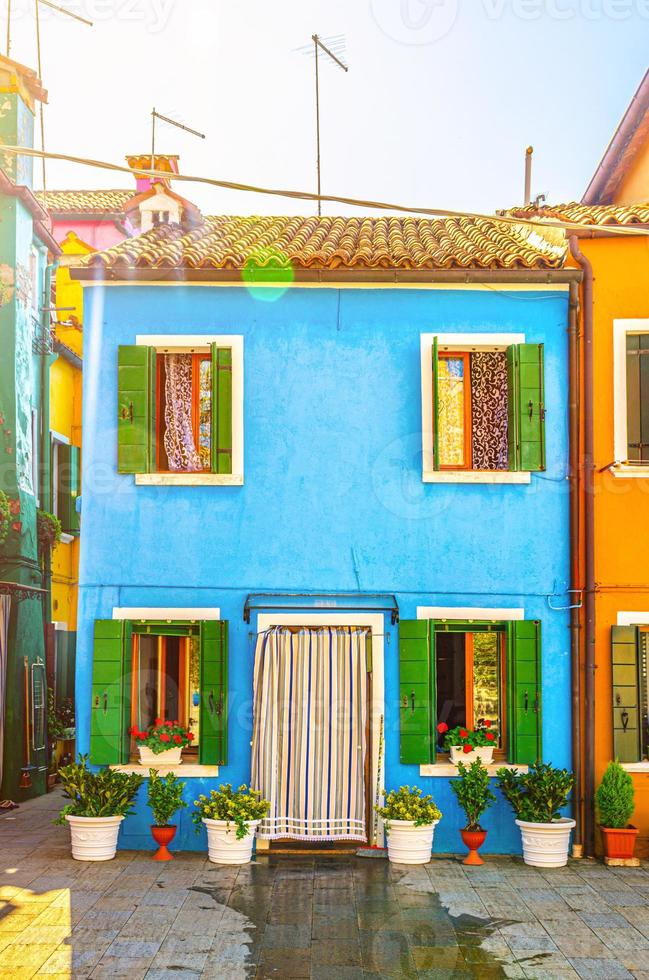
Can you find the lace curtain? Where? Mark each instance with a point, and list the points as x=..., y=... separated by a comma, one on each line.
x=179, y=443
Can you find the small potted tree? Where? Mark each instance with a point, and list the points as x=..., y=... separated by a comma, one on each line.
x=466, y=744
x=231, y=818
x=474, y=796
x=614, y=798
x=99, y=801
x=162, y=743
x=536, y=797
x=410, y=819
x=165, y=797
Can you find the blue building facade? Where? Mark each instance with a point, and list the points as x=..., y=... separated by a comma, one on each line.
x=333, y=506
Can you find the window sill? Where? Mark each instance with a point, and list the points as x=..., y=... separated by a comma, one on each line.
x=624, y=471
x=636, y=766
x=446, y=769
x=475, y=476
x=189, y=479
x=188, y=769
x=66, y=538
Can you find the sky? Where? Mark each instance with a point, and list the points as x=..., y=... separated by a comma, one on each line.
x=439, y=103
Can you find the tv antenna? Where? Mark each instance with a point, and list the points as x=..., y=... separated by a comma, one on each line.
x=46, y=3
x=334, y=49
x=172, y=122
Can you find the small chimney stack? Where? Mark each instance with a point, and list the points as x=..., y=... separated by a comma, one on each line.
x=529, y=153
x=163, y=161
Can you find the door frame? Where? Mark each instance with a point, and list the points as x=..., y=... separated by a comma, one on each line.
x=376, y=705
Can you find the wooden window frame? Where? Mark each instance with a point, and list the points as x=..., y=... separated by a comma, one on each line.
x=465, y=357
x=197, y=357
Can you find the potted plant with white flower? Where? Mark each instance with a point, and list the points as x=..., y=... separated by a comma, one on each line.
x=99, y=801
x=162, y=743
x=231, y=818
x=468, y=744
x=410, y=819
x=536, y=797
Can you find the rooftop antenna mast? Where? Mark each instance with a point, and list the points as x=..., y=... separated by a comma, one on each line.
x=319, y=46
x=172, y=122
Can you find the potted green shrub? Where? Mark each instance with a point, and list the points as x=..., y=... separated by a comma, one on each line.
x=99, y=801
x=536, y=797
x=615, y=805
x=468, y=744
x=165, y=797
x=231, y=818
x=474, y=796
x=162, y=743
x=410, y=819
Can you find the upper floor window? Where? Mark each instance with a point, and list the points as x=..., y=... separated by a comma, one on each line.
x=180, y=410
x=637, y=397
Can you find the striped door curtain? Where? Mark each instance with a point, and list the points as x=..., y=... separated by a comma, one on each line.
x=309, y=732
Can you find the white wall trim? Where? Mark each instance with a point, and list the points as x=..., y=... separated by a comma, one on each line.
x=501, y=287
x=376, y=622
x=185, y=343
x=189, y=479
x=190, y=770
x=166, y=612
x=469, y=612
x=59, y=437
x=631, y=618
x=457, y=341
x=446, y=769
x=476, y=476
x=620, y=447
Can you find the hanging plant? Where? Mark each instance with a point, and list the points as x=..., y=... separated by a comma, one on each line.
x=5, y=517
x=49, y=531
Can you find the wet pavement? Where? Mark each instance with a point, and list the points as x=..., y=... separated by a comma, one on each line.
x=311, y=917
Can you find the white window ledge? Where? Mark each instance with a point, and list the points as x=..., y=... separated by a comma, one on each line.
x=626, y=471
x=447, y=769
x=189, y=479
x=475, y=476
x=66, y=538
x=636, y=766
x=190, y=770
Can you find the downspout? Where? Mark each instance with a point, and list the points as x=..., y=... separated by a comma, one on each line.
x=588, y=469
x=575, y=544
x=45, y=489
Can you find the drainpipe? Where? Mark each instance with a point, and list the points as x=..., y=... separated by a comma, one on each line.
x=575, y=543
x=588, y=464
x=45, y=489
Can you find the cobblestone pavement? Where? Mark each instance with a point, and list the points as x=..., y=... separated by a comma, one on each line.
x=302, y=917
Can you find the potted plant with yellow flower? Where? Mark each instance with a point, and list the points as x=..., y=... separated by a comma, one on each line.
x=231, y=818
x=410, y=819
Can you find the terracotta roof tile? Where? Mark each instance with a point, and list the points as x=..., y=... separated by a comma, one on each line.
x=359, y=243
x=85, y=202
x=587, y=214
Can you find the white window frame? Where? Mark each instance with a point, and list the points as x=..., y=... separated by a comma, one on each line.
x=446, y=769
x=168, y=613
x=200, y=344
x=56, y=440
x=631, y=618
x=459, y=342
x=621, y=467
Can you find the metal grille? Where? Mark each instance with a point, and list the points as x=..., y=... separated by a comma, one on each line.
x=39, y=704
x=42, y=338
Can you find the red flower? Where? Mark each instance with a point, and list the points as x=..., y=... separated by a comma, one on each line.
x=463, y=733
x=164, y=737
x=487, y=723
x=169, y=724
x=17, y=526
x=158, y=721
x=490, y=736
x=467, y=748
x=132, y=730
x=442, y=727
x=190, y=736
x=14, y=507
x=178, y=739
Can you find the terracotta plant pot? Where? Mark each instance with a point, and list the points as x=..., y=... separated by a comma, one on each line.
x=163, y=836
x=473, y=839
x=619, y=843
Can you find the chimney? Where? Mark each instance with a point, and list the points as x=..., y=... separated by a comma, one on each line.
x=163, y=161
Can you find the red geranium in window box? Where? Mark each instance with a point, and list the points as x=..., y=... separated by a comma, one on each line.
x=162, y=743
x=465, y=745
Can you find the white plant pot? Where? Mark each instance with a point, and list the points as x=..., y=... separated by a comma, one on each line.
x=408, y=844
x=485, y=754
x=545, y=845
x=94, y=838
x=170, y=757
x=222, y=844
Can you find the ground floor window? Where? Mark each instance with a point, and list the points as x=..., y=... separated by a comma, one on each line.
x=470, y=670
x=166, y=682
x=630, y=676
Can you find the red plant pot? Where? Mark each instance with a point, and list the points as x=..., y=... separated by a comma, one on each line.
x=163, y=836
x=619, y=843
x=473, y=839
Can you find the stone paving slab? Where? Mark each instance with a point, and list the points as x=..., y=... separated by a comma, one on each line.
x=311, y=917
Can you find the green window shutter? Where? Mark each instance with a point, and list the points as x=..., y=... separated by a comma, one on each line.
x=68, y=478
x=524, y=691
x=417, y=691
x=435, y=404
x=213, y=734
x=136, y=414
x=221, y=409
x=626, y=701
x=526, y=415
x=111, y=692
